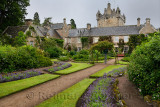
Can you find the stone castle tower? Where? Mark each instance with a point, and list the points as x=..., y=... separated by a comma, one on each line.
x=110, y=17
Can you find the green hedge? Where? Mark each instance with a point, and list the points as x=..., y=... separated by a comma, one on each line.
x=26, y=57
x=144, y=67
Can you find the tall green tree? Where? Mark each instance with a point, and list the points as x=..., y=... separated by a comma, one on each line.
x=47, y=21
x=73, y=24
x=12, y=12
x=36, y=19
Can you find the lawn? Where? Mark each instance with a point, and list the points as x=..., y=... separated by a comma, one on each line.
x=15, y=86
x=54, y=60
x=75, y=67
x=69, y=97
x=123, y=62
x=106, y=70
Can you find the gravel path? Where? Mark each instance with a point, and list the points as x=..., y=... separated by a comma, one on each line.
x=130, y=93
x=35, y=95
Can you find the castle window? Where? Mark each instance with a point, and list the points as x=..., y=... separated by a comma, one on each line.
x=31, y=43
x=126, y=38
x=116, y=39
x=96, y=39
x=69, y=40
x=79, y=40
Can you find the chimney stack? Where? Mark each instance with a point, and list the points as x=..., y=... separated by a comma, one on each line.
x=148, y=21
x=88, y=26
x=138, y=22
x=28, y=22
x=64, y=21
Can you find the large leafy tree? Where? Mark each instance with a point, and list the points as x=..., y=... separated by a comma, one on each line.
x=47, y=21
x=12, y=12
x=73, y=24
x=36, y=19
x=21, y=39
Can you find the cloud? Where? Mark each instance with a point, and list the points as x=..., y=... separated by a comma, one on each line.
x=84, y=11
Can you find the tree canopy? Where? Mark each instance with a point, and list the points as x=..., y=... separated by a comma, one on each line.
x=47, y=21
x=73, y=24
x=36, y=19
x=12, y=12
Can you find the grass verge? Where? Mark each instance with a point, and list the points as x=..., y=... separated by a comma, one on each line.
x=105, y=70
x=16, y=86
x=69, y=97
x=75, y=67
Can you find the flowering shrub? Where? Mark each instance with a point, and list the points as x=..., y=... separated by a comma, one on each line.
x=18, y=76
x=62, y=66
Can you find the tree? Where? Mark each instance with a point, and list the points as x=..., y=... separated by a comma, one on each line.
x=36, y=19
x=84, y=41
x=135, y=40
x=103, y=47
x=121, y=45
x=21, y=39
x=73, y=25
x=12, y=12
x=47, y=21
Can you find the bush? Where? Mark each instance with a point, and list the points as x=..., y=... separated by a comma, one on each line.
x=144, y=67
x=64, y=58
x=126, y=59
x=54, y=52
x=21, y=58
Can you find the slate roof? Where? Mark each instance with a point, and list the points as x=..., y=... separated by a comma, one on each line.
x=57, y=26
x=13, y=30
x=106, y=31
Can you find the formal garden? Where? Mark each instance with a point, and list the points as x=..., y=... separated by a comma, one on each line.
x=23, y=67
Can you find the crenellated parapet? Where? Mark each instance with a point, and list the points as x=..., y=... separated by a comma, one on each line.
x=111, y=17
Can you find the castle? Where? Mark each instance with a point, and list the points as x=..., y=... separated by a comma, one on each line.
x=110, y=17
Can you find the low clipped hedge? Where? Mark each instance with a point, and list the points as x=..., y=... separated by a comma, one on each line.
x=20, y=58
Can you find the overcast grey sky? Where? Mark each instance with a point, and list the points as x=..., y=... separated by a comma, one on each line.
x=84, y=11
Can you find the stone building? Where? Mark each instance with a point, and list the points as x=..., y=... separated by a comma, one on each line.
x=56, y=30
x=110, y=17
x=111, y=23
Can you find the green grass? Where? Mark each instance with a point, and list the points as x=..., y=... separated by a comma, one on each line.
x=106, y=70
x=75, y=67
x=123, y=62
x=15, y=86
x=69, y=97
x=54, y=60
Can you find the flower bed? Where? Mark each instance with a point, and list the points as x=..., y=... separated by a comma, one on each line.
x=102, y=93
x=63, y=65
x=18, y=76
x=116, y=72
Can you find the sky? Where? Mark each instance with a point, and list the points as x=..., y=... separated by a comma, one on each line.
x=84, y=11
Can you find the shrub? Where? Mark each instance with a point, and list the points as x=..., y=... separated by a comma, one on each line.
x=126, y=59
x=144, y=67
x=21, y=58
x=54, y=52
x=64, y=58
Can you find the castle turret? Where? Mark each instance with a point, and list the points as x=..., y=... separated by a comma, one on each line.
x=109, y=10
x=110, y=17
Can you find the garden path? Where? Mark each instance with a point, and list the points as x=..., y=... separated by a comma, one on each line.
x=130, y=93
x=36, y=95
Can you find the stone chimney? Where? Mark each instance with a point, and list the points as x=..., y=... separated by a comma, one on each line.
x=88, y=26
x=69, y=26
x=109, y=11
x=28, y=22
x=148, y=21
x=64, y=21
x=138, y=22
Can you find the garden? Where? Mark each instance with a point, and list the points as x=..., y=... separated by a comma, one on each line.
x=23, y=67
